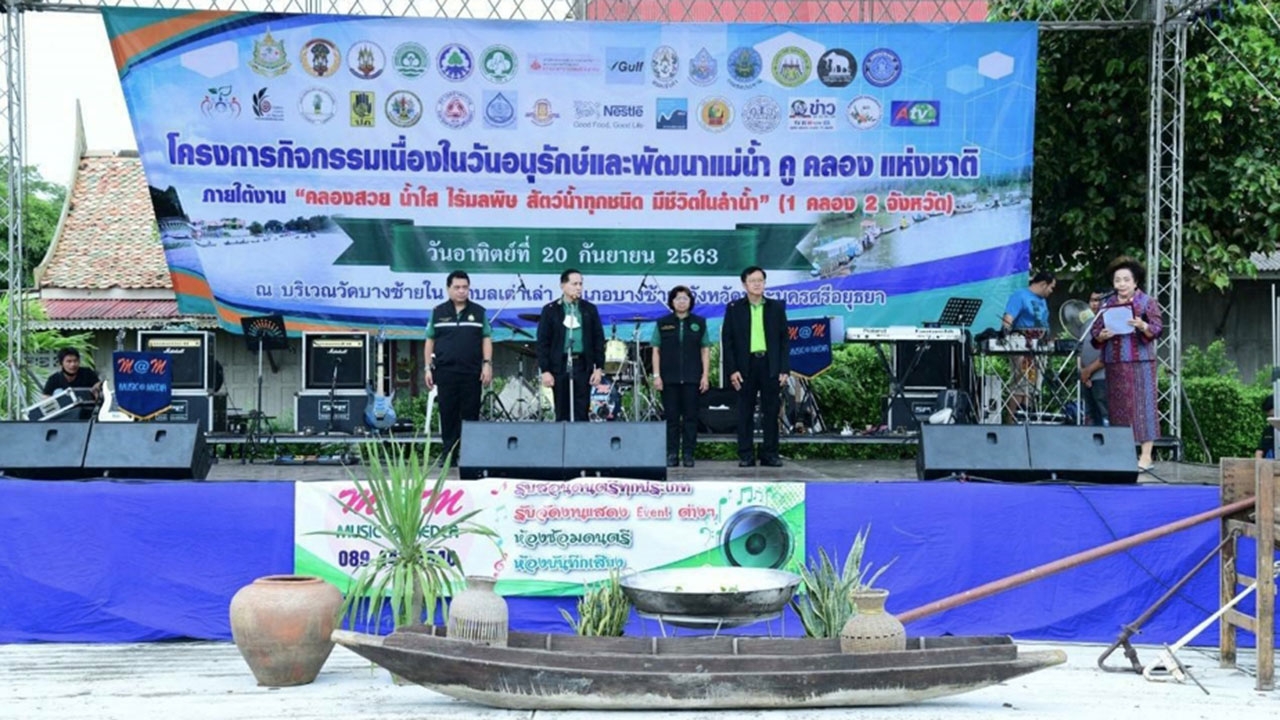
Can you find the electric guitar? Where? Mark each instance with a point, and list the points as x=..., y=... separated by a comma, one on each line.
x=379, y=413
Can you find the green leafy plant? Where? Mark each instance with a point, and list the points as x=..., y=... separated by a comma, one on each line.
x=825, y=607
x=34, y=342
x=602, y=611
x=415, y=568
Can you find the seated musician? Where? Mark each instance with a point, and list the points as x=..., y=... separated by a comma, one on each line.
x=71, y=375
x=1027, y=310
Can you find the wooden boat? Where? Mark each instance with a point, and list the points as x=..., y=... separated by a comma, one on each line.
x=568, y=672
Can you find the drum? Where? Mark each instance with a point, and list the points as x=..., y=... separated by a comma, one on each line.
x=606, y=401
x=615, y=355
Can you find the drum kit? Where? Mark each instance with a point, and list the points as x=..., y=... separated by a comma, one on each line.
x=522, y=397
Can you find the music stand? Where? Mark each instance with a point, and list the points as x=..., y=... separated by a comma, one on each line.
x=960, y=312
x=263, y=332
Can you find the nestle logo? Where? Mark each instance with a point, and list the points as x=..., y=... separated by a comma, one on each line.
x=623, y=66
x=626, y=111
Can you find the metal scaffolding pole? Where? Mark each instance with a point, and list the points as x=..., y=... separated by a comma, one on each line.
x=14, y=110
x=1164, y=202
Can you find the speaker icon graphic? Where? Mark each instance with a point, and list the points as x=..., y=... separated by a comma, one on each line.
x=756, y=537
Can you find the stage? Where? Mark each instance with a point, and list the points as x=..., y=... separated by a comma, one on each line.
x=130, y=561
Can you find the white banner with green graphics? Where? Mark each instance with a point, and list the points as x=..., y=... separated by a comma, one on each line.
x=552, y=537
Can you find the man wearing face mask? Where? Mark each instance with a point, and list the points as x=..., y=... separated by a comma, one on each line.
x=570, y=348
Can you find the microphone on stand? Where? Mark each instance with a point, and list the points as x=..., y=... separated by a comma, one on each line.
x=521, y=279
x=642, y=279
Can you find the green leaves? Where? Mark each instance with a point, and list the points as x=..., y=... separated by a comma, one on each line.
x=34, y=342
x=825, y=607
x=415, y=569
x=602, y=611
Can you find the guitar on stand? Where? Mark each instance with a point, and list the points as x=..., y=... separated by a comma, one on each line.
x=110, y=410
x=379, y=413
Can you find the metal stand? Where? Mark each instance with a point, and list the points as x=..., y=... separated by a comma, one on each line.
x=262, y=334
x=648, y=409
x=716, y=623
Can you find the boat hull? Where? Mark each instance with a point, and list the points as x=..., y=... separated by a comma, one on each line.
x=565, y=672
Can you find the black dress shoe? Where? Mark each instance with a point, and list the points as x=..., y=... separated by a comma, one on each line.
x=672, y=461
x=771, y=462
x=746, y=463
x=688, y=462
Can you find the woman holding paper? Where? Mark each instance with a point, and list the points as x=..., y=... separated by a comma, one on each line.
x=1125, y=330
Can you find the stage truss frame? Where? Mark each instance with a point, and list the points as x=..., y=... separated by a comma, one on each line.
x=1168, y=20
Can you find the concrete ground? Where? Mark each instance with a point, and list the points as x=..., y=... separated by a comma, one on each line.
x=199, y=680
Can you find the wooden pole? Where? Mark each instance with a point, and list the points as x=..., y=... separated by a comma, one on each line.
x=1066, y=563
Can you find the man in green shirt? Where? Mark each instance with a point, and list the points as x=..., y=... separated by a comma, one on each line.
x=757, y=360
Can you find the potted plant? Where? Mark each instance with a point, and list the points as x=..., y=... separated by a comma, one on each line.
x=602, y=611
x=415, y=568
x=844, y=602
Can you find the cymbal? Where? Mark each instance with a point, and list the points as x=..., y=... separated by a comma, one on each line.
x=531, y=317
x=514, y=327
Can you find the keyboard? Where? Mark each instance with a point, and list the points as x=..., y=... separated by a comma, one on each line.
x=908, y=333
x=1022, y=345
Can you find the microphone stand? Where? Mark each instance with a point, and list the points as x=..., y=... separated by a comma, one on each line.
x=333, y=391
x=641, y=376
x=572, y=405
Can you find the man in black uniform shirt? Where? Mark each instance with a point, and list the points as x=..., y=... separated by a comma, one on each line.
x=71, y=375
x=458, y=336
x=570, y=328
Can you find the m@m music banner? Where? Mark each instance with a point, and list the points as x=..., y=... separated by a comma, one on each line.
x=552, y=537
x=336, y=169
x=143, y=383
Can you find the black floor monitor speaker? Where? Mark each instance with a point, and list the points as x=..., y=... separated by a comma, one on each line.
x=616, y=449
x=994, y=452
x=1083, y=453
x=43, y=450
x=533, y=450
x=170, y=451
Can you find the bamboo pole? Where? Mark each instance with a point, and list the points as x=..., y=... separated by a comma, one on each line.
x=1066, y=563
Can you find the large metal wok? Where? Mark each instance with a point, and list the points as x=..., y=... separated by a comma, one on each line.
x=711, y=596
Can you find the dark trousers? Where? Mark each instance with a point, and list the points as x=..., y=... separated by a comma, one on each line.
x=1095, y=402
x=581, y=395
x=459, y=398
x=680, y=405
x=755, y=380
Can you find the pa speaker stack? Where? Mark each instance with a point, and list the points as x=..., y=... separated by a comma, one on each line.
x=68, y=451
x=561, y=451
x=1028, y=453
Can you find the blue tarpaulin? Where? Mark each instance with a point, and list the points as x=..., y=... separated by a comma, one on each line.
x=116, y=561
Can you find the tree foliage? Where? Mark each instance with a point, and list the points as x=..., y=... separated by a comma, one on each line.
x=1232, y=185
x=41, y=211
x=1092, y=140
x=34, y=342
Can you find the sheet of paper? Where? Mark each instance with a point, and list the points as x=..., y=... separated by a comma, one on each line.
x=1117, y=319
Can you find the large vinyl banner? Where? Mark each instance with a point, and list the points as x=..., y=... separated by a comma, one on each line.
x=554, y=537
x=335, y=169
